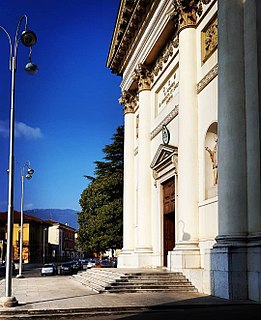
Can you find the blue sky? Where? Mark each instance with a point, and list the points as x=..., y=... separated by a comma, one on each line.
x=68, y=111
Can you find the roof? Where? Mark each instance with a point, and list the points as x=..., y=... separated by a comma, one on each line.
x=60, y=225
x=17, y=215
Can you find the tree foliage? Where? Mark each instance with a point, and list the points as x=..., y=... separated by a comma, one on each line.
x=101, y=218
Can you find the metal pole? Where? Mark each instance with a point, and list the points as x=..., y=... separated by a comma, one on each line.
x=21, y=227
x=10, y=218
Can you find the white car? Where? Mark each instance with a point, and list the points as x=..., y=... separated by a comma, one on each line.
x=48, y=269
x=91, y=263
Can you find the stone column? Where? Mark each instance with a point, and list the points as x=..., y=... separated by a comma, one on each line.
x=229, y=256
x=128, y=100
x=252, y=36
x=186, y=252
x=144, y=242
x=232, y=187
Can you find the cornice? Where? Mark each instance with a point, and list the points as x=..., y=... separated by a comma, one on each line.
x=131, y=16
x=165, y=121
x=207, y=79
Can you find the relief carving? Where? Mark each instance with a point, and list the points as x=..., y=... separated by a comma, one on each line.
x=165, y=55
x=209, y=39
x=128, y=100
x=143, y=76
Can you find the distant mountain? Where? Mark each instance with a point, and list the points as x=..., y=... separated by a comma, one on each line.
x=65, y=216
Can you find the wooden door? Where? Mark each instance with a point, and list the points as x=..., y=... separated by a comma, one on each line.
x=168, y=217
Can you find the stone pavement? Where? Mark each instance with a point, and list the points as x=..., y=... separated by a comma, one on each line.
x=61, y=295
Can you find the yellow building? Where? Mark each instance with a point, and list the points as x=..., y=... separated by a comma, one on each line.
x=35, y=238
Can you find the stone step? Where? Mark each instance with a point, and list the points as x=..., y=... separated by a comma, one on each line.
x=142, y=290
x=155, y=283
x=105, y=280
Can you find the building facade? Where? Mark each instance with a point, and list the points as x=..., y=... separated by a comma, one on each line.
x=190, y=92
x=61, y=242
x=35, y=237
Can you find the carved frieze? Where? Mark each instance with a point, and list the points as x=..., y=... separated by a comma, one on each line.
x=166, y=53
x=143, y=76
x=209, y=39
x=128, y=100
x=185, y=12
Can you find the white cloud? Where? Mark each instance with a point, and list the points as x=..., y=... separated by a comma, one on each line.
x=28, y=206
x=4, y=131
x=22, y=130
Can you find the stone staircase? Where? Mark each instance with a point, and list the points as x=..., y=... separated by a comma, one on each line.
x=116, y=281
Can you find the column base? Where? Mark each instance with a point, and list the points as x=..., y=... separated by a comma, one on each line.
x=184, y=259
x=229, y=271
x=125, y=259
x=8, y=302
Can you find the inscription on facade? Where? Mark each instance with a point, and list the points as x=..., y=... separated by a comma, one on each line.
x=167, y=91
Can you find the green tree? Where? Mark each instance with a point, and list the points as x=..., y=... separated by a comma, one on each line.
x=101, y=218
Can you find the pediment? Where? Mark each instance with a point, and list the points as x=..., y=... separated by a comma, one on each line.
x=165, y=156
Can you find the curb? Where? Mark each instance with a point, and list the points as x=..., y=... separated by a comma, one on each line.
x=43, y=313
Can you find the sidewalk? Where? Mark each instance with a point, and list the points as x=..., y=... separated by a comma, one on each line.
x=63, y=295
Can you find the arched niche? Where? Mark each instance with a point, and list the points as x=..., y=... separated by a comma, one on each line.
x=211, y=161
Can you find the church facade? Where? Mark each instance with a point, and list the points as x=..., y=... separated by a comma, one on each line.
x=191, y=99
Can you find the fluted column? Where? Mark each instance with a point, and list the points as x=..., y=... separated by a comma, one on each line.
x=144, y=241
x=128, y=100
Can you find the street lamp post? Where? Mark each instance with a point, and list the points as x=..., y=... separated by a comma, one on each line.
x=28, y=39
x=28, y=176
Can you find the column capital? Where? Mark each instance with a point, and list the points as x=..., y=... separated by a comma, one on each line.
x=186, y=11
x=143, y=76
x=128, y=100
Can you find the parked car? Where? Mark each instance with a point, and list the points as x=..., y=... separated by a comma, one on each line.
x=66, y=268
x=104, y=264
x=91, y=263
x=48, y=269
x=79, y=264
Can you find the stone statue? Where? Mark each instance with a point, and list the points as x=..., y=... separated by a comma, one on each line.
x=214, y=158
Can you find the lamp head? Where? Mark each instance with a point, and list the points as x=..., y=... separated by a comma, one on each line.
x=28, y=177
x=31, y=68
x=28, y=38
x=30, y=171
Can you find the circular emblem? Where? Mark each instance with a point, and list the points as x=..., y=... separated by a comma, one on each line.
x=165, y=134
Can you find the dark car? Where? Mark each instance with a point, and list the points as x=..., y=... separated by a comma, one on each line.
x=75, y=266
x=66, y=268
x=106, y=264
x=3, y=269
x=48, y=269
